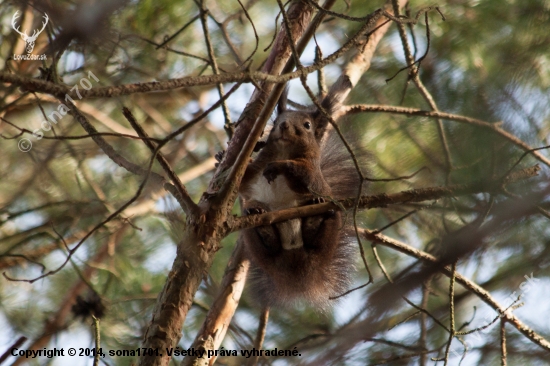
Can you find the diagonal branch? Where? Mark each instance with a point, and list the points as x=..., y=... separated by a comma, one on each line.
x=203, y=233
x=178, y=189
x=484, y=295
x=495, y=127
x=221, y=312
x=110, y=151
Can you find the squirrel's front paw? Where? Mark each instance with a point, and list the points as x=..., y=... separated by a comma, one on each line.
x=270, y=173
x=254, y=211
x=259, y=145
x=316, y=200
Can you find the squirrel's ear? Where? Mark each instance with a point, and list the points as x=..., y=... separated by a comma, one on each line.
x=334, y=100
x=281, y=105
x=332, y=103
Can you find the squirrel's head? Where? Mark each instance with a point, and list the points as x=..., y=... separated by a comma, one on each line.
x=302, y=128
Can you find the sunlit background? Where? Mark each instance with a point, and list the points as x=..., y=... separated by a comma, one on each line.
x=488, y=60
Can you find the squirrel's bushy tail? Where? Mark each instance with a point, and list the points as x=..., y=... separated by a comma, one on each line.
x=338, y=167
x=316, y=287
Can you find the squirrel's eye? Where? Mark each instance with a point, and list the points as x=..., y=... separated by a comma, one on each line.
x=307, y=125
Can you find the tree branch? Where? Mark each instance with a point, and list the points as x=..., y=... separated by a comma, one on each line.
x=383, y=200
x=203, y=233
x=219, y=316
x=484, y=295
x=360, y=108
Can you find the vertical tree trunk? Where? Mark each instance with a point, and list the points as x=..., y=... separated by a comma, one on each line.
x=203, y=233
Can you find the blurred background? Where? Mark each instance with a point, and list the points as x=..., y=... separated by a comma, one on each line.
x=488, y=60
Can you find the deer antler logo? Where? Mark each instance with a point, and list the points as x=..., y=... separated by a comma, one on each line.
x=29, y=40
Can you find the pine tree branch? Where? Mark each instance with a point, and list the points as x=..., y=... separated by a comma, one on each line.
x=383, y=200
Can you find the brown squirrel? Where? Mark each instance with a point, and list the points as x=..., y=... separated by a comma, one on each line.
x=301, y=163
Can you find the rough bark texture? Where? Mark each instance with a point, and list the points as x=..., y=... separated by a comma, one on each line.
x=221, y=312
x=299, y=15
x=361, y=60
x=204, y=231
x=174, y=301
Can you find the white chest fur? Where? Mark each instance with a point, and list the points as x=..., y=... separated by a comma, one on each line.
x=276, y=196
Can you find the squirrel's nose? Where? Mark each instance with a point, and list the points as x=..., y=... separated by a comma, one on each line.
x=284, y=125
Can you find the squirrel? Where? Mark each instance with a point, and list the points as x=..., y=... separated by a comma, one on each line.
x=302, y=162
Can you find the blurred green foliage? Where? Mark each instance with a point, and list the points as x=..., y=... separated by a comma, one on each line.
x=488, y=60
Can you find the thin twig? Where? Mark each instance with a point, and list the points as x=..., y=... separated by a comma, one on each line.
x=260, y=335
x=110, y=151
x=425, y=311
x=503, y=352
x=255, y=33
x=168, y=39
x=101, y=224
x=403, y=217
x=451, y=312
x=494, y=127
x=79, y=137
x=204, y=21
x=483, y=295
x=199, y=117
x=513, y=305
x=413, y=75
x=423, y=322
x=405, y=320
x=381, y=200
x=97, y=340
x=380, y=264
x=187, y=204
x=18, y=343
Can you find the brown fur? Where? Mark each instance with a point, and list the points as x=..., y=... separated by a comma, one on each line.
x=301, y=259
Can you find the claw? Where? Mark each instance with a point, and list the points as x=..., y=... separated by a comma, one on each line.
x=254, y=211
x=270, y=174
x=316, y=200
x=259, y=145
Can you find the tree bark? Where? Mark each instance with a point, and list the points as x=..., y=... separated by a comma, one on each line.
x=205, y=229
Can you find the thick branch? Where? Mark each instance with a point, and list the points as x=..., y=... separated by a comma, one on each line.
x=201, y=237
x=221, y=312
x=262, y=102
x=219, y=316
x=268, y=76
x=360, y=62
